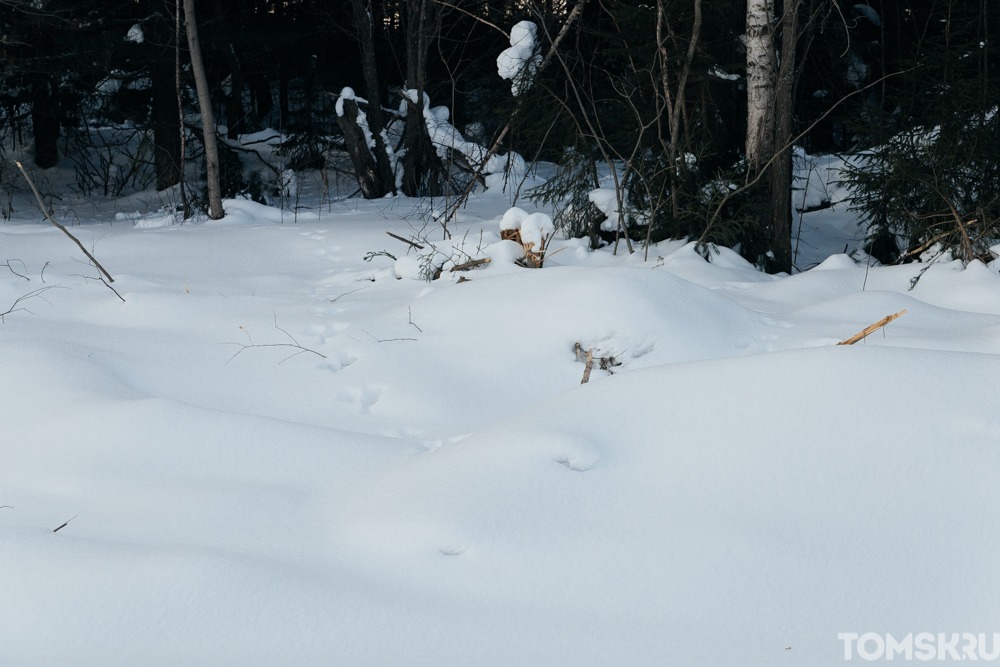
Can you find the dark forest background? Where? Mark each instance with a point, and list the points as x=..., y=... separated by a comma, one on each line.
x=655, y=90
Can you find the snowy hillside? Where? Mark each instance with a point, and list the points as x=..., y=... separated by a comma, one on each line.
x=275, y=452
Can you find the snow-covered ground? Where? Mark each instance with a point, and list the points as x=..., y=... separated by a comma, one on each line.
x=276, y=452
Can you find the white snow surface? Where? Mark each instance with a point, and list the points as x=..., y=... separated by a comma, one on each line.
x=276, y=453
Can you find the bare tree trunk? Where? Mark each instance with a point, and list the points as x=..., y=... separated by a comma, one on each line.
x=385, y=180
x=423, y=173
x=178, y=91
x=674, y=102
x=366, y=169
x=163, y=112
x=235, y=114
x=780, y=228
x=45, y=123
x=215, y=211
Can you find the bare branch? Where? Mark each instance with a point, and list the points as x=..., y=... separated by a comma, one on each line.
x=48, y=215
x=294, y=345
x=24, y=297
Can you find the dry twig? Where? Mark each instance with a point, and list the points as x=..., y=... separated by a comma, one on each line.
x=48, y=215
x=400, y=238
x=871, y=328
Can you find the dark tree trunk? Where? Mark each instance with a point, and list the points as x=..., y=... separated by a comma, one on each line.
x=780, y=237
x=235, y=115
x=423, y=173
x=260, y=87
x=45, y=124
x=166, y=124
x=376, y=119
x=284, y=114
x=365, y=167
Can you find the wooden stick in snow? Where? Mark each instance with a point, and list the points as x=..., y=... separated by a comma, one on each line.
x=872, y=328
x=589, y=364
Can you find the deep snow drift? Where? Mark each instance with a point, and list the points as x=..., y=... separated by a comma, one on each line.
x=277, y=452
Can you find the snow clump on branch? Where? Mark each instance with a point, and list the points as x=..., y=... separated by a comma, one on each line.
x=520, y=62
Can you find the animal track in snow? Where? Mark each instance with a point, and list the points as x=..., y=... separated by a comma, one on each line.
x=340, y=361
x=363, y=398
x=574, y=464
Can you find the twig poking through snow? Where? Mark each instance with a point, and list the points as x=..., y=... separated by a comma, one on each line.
x=294, y=344
x=11, y=268
x=24, y=297
x=65, y=524
x=340, y=296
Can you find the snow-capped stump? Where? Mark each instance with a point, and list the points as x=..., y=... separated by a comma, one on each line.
x=532, y=231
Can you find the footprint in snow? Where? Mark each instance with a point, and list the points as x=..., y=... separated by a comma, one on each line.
x=364, y=398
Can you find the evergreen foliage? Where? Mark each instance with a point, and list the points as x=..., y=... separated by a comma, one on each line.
x=930, y=180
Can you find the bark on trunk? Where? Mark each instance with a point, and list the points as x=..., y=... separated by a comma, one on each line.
x=215, y=211
x=166, y=125
x=423, y=174
x=376, y=119
x=761, y=77
x=781, y=170
x=366, y=169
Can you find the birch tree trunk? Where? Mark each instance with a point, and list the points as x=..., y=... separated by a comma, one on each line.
x=215, y=211
x=761, y=80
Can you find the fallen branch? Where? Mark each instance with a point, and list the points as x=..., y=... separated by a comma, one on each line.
x=471, y=264
x=588, y=366
x=872, y=328
x=400, y=238
x=65, y=231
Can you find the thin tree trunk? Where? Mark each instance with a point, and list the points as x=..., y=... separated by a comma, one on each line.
x=423, y=173
x=182, y=131
x=780, y=228
x=165, y=119
x=376, y=119
x=215, y=211
x=45, y=124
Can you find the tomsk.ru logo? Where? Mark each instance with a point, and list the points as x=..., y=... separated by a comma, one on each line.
x=923, y=646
